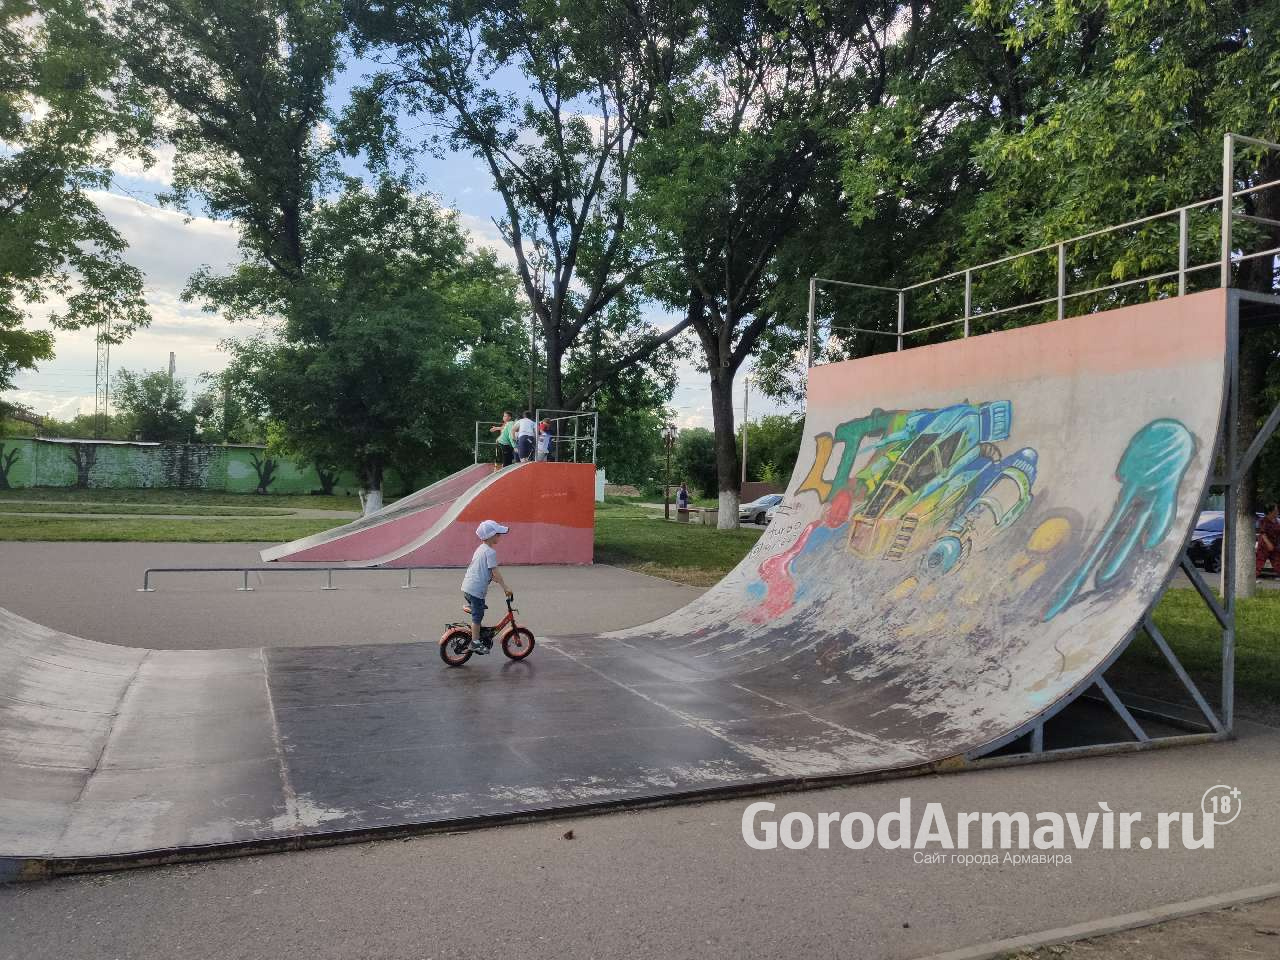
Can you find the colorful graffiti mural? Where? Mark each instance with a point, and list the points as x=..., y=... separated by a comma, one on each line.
x=932, y=481
x=935, y=482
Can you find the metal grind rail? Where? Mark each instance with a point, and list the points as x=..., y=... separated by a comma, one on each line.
x=245, y=571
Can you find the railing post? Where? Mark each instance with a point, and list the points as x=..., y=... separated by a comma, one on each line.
x=1228, y=188
x=968, y=299
x=244, y=583
x=408, y=580
x=475, y=448
x=1062, y=280
x=902, y=316
x=1182, y=252
x=328, y=585
x=813, y=306
x=146, y=582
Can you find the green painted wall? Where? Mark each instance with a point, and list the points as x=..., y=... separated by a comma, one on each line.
x=27, y=462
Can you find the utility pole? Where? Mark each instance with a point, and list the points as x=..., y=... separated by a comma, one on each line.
x=101, y=381
x=173, y=365
x=746, y=389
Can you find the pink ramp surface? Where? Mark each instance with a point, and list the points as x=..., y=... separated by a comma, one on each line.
x=549, y=508
x=381, y=532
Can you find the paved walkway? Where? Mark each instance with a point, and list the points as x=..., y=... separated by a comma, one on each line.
x=250, y=513
x=675, y=882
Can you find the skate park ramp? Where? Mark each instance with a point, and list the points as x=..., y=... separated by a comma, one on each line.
x=549, y=506
x=972, y=531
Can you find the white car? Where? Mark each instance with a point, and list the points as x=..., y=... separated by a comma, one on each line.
x=772, y=513
x=754, y=512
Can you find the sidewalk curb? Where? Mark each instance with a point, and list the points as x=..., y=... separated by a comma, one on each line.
x=1117, y=924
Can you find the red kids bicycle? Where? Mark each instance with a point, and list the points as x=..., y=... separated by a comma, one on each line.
x=456, y=646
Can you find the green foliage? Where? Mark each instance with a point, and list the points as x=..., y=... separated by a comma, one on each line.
x=397, y=340
x=65, y=114
x=154, y=405
x=560, y=152
x=693, y=461
x=773, y=444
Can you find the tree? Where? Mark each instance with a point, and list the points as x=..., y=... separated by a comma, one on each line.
x=730, y=169
x=561, y=157
x=396, y=342
x=154, y=406
x=242, y=84
x=64, y=115
x=694, y=461
x=773, y=445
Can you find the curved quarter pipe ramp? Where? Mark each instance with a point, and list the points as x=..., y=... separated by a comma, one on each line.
x=971, y=533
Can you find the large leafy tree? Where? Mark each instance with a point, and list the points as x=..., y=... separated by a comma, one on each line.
x=241, y=86
x=154, y=407
x=398, y=341
x=65, y=113
x=739, y=167
x=561, y=156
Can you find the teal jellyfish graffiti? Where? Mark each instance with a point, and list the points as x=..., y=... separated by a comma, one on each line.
x=1150, y=473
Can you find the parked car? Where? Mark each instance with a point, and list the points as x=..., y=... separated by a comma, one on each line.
x=1205, y=548
x=754, y=512
x=772, y=513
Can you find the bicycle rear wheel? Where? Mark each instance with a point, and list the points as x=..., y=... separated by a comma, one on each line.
x=456, y=648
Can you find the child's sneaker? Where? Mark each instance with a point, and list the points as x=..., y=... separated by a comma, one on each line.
x=481, y=646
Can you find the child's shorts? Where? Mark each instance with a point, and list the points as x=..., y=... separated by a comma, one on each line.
x=477, y=606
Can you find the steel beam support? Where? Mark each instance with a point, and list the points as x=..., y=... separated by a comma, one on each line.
x=1122, y=711
x=1158, y=639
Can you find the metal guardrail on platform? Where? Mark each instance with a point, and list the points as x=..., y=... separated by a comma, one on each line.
x=245, y=571
x=1226, y=259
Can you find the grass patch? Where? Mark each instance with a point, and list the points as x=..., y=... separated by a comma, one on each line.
x=193, y=498
x=687, y=553
x=153, y=530
x=138, y=509
x=1195, y=637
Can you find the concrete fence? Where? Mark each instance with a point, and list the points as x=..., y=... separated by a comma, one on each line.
x=41, y=462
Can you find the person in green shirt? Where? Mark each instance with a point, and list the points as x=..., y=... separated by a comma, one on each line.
x=506, y=439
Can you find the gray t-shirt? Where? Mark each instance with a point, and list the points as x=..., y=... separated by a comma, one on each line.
x=480, y=571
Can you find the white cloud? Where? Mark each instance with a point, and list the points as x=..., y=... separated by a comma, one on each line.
x=160, y=172
x=483, y=233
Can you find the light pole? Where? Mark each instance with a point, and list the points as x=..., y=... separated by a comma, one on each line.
x=668, y=438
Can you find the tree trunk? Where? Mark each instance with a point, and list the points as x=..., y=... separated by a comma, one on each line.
x=371, y=492
x=1256, y=348
x=1253, y=361
x=726, y=446
x=555, y=379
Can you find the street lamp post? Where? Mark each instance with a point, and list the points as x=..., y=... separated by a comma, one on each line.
x=668, y=439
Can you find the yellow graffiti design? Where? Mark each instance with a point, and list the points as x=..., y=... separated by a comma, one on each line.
x=1030, y=576
x=905, y=588
x=1049, y=535
x=824, y=443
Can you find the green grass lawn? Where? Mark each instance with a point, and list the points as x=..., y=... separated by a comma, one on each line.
x=155, y=530
x=1194, y=635
x=627, y=536
x=137, y=509
x=187, y=498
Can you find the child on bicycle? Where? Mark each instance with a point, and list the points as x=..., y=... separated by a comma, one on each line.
x=483, y=568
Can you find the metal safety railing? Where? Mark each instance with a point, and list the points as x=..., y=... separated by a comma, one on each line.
x=1228, y=256
x=574, y=434
x=245, y=571
x=483, y=431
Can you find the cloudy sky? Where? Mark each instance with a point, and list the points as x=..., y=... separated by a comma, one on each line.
x=168, y=246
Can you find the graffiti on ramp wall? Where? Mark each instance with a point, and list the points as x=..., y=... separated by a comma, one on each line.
x=935, y=486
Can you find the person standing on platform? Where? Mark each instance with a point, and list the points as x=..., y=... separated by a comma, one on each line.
x=506, y=439
x=526, y=433
x=544, y=441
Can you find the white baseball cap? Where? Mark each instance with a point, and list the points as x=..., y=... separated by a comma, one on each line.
x=488, y=528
